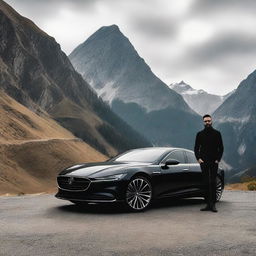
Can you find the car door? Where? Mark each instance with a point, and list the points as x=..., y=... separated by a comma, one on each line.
x=195, y=173
x=172, y=178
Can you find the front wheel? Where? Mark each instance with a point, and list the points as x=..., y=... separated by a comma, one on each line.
x=138, y=194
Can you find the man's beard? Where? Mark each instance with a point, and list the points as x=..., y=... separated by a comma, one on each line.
x=207, y=126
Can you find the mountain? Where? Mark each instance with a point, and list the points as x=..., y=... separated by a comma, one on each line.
x=227, y=95
x=34, y=148
x=35, y=72
x=246, y=175
x=236, y=118
x=112, y=66
x=199, y=100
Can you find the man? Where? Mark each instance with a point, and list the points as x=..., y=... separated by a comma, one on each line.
x=208, y=151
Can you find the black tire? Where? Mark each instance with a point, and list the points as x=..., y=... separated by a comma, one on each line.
x=138, y=196
x=219, y=188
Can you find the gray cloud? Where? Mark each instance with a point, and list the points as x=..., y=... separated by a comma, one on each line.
x=49, y=8
x=204, y=7
x=155, y=27
x=220, y=48
x=86, y=5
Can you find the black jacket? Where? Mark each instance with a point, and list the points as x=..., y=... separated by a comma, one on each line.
x=208, y=145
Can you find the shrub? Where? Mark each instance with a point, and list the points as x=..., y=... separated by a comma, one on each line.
x=251, y=186
x=247, y=178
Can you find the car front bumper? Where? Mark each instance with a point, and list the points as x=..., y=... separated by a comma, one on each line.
x=97, y=192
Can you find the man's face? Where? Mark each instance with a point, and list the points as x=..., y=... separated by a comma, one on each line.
x=207, y=122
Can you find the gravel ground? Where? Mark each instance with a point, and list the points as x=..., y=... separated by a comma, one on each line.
x=44, y=225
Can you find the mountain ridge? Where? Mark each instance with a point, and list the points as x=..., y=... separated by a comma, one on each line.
x=123, y=61
x=198, y=99
x=35, y=148
x=36, y=73
x=111, y=64
x=237, y=119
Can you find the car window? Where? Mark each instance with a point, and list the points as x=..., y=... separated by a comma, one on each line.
x=191, y=157
x=177, y=155
x=141, y=155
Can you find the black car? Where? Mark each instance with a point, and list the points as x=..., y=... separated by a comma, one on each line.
x=136, y=177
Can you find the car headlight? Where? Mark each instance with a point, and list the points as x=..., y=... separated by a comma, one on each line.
x=74, y=166
x=110, y=177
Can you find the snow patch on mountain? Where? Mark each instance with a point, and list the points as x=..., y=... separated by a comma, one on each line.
x=194, y=92
x=234, y=120
x=225, y=166
x=199, y=100
x=241, y=149
x=108, y=92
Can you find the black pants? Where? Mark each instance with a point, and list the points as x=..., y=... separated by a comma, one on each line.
x=209, y=173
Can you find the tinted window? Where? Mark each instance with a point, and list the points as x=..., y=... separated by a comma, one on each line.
x=191, y=157
x=177, y=155
x=141, y=155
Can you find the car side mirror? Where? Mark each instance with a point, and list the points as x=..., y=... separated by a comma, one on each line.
x=170, y=162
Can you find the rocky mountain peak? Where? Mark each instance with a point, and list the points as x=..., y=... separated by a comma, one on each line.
x=240, y=105
x=180, y=87
x=18, y=20
x=112, y=66
x=108, y=38
x=111, y=28
x=198, y=99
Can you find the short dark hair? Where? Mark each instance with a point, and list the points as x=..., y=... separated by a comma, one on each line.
x=207, y=115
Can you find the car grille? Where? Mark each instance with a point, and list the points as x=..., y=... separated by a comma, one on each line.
x=73, y=183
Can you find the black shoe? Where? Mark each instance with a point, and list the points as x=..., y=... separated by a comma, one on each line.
x=213, y=209
x=206, y=208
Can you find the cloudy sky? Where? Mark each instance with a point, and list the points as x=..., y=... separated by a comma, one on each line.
x=210, y=44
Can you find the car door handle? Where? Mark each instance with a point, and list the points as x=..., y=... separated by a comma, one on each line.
x=156, y=172
x=184, y=169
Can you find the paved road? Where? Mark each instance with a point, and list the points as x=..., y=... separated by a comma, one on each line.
x=42, y=225
x=23, y=142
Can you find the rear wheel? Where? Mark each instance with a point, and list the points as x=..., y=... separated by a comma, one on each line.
x=138, y=194
x=219, y=188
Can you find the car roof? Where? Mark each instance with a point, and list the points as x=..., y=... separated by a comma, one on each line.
x=167, y=148
x=166, y=152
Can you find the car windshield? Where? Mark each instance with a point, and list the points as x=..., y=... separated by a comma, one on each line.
x=141, y=155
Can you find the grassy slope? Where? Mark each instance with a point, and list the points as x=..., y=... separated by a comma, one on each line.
x=238, y=186
x=34, y=149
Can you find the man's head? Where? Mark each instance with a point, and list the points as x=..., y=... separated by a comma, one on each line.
x=207, y=121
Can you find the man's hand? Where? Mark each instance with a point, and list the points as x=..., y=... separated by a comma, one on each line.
x=200, y=161
x=216, y=161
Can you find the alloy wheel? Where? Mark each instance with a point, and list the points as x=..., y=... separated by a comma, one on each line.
x=138, y=194
x=219, y=189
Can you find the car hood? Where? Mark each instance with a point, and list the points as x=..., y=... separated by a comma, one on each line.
x=94, y=170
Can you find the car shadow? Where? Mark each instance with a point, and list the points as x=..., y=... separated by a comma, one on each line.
x=94, y=209
x=167, y=203
x=120, y=209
